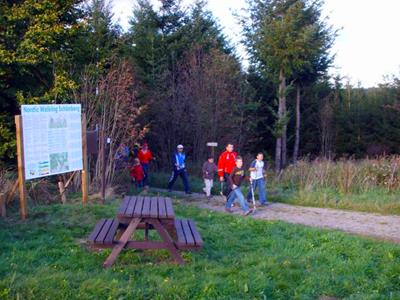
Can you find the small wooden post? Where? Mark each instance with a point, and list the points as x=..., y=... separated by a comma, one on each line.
x=3, y=205
x=212, y=145
x=85, y=172
x=62, y=190
x=21, y=168
x=103, y=168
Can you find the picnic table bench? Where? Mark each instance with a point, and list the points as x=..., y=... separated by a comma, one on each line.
x=145, y=213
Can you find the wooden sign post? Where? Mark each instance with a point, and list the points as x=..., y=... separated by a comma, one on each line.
x=21, y=168
x=21, y=159
x=85, y=170
x=213, y=145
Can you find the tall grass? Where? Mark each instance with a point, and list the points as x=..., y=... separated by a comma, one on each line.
x=344, y=176
x=370, y=185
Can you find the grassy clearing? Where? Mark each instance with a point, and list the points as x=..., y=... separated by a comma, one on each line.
x=45, y=258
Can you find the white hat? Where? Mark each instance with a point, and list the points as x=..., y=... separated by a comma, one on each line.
x=179, y=146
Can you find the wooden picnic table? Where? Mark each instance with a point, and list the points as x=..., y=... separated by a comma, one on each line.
x=147, y=213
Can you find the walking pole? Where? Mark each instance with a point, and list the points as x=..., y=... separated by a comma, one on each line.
x=252, y=197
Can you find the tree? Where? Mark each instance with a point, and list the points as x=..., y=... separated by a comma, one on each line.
x=314, y=60
x=185, y=65
x=279, y=34
x=35, y=45
x=146, y=43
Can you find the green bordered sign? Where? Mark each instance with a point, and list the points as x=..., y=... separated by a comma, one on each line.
x=52, y=139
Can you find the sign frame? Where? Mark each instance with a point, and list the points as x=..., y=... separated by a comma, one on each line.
x=21, y=161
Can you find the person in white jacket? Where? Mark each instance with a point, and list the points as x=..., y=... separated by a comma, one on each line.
x=257, y=174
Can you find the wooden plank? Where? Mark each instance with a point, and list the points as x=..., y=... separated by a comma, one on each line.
x=197, y=237
x=188, y=233
x=154, y=207
x=21, y=168
x=102, y=235
x=146, y=245
x=123, y=206
x=92, y=237
x=111, y=233
x=131, y=207
x=169, y=209
x=161, y=208
x=146, y=207
x=179, y=232
x=122, y=242
x=85, y=170
x=138, y=207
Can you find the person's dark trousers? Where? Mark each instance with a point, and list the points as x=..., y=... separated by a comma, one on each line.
x=185, y=179
x=227, y=189
x=146, y=174
x=139, y=184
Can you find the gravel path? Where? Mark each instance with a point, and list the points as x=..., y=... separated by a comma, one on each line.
x=366, y=224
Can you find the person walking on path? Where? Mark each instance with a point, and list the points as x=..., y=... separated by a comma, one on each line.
x=226, y=163
x=257, y=174
x=179, y=169
x=235, y=179
x=209, y=169
x=137, y=173
x=145, y=156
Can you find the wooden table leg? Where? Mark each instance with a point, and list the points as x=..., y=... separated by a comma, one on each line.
x=146, y=232
x=168, y=240
x=122, y=242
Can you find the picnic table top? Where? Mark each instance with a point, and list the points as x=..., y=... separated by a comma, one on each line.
x=146, y=207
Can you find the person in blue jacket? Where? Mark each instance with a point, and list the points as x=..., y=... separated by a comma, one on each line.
x=179, y=169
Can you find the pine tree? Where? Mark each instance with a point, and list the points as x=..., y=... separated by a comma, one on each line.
x=278, y=37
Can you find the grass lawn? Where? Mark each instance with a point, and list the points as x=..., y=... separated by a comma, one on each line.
x=46, y=258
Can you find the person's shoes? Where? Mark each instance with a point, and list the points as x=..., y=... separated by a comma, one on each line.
x=169, y=191
x=209, y=197
x=245, y=214
x=188, y=193
x=229, y=210
x=249, y=201
x=264, y=204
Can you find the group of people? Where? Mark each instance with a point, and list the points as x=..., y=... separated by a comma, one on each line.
x=139, y=170
x=230, y=170
x=231, y=174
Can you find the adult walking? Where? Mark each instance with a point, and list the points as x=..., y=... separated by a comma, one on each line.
x=145, y=157
x=179, y=169
x=226, y=164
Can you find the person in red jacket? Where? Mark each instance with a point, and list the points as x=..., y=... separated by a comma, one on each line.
x=145, y=157
x=137, y=173
x=226, y=163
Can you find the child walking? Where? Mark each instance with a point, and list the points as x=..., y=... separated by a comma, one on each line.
x=209, y=170
x=137, y=173
x=257, y=174
x=235, y=179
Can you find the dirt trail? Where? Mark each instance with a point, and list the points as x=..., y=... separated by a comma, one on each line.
x=366, y=224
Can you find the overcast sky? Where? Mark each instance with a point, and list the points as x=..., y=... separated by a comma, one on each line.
x=367, y=48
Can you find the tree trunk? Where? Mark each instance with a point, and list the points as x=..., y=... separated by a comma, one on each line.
x=278, y=152
x=284, y=128
x=281, y=140
x=298, y=120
